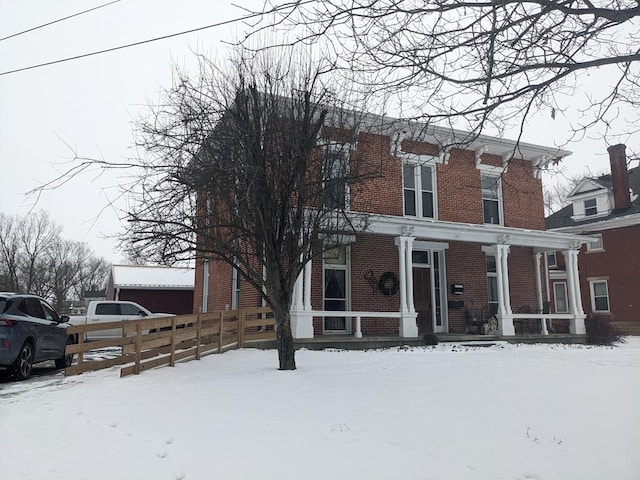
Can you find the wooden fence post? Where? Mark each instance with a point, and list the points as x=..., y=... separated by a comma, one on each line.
x=136, y=368
x=172, y=361
x=198, y=335
x=221, y=334
x=81, y=352
x=240, y=327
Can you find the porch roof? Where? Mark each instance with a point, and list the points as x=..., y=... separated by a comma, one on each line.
x=431, y=229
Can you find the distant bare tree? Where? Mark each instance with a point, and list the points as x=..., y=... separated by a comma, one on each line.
x=9, y=253
x=479, y=64
x=34, y=258
x=37, y=235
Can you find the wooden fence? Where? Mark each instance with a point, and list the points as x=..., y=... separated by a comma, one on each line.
x=153, y=342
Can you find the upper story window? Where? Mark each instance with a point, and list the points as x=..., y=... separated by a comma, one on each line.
x=334, y=176
x=596, y=246
x=552, y=260
x=590, y=207
x=491, y=199
x=418, y=188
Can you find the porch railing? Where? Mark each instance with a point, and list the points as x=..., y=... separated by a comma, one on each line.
x=357, y=316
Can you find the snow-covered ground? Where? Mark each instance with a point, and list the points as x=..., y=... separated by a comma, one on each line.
x=445, y=412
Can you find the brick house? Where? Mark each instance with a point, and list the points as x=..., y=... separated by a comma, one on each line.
x=455, y=232
x=607, y=207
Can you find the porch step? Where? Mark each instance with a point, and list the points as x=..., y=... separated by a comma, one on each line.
x=349, y=342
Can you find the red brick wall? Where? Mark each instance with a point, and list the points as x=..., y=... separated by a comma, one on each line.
x=619, y=263
x=459, y=199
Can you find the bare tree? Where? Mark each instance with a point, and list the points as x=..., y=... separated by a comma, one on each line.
x=10, y=253
x=248, y=166
x=34, y=258
x=480, y=64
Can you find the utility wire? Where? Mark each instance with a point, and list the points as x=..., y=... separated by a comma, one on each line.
x=164, y=37
x=59, y=20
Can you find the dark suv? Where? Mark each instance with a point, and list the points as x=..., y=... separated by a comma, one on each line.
x=30, y=332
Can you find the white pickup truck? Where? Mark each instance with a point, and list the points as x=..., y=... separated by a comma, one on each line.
x=103, y=311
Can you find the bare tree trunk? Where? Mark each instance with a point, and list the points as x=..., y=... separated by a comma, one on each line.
x=286, y=350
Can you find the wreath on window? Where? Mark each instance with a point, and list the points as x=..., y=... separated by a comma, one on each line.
x=389, y=284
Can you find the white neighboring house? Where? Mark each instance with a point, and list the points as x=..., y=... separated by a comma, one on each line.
x=158, y=288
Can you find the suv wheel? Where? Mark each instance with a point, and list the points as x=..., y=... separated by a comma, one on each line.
x=67, y=359
x=21, y=368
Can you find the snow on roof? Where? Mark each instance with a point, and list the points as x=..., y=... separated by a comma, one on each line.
x=152, y=276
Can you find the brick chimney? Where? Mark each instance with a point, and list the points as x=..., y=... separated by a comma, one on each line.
x=619, y=176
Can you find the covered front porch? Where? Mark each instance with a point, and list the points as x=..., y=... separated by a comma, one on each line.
x=426, y=243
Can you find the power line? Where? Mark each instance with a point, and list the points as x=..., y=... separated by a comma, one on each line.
x=164, y=37
x=59, y=20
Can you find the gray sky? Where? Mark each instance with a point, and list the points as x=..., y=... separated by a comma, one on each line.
x=90, y=103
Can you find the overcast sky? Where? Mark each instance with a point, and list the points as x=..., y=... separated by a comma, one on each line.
x=90, y=103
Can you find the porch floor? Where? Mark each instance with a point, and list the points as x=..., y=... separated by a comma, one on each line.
x=349, y=342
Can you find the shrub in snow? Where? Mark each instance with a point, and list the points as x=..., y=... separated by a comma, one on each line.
x=600, y=330
x=430, y=339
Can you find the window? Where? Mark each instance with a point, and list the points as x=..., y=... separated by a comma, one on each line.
x=590, y=207
x=492, y=284
x=560, y=296
x=49, y=313
x=107, y=309
x=129, y=309
x=552, y=260
x=491, y=199
x=334, y=177
x=595, y=246
x=599, y=295
x=418, y=190
x=34, y=308
x=335, y=287
x=420, y=257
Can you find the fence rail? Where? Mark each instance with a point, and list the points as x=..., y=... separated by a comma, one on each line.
x=151, y=342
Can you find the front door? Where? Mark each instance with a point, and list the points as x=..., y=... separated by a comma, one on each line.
x=422, y=299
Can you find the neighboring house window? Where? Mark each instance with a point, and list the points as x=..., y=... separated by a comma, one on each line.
x=590, y=207
x=336, y=159
x=335, y=287
x=492, y=284
x=560, y=296
x=597, y=245
x=552, y=260
x=418, y=182
x=599, y=295
x=491, y=199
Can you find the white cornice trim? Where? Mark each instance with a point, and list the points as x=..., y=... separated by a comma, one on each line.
x=439, y=230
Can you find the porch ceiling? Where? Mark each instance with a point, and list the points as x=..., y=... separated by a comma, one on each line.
x=466, y=232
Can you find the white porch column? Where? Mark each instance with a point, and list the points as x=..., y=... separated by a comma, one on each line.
x=297, y=294
x=301, y=315
x=543, y=322
x=576, y=324
x=307, y=286
x=408, y=326
x=536, y=260
x=408, y=255
x=504, y=297
x=402, y=248
x=505, y=277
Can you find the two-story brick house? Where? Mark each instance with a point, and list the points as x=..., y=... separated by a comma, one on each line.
x=453, y=231
x=607, y=207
